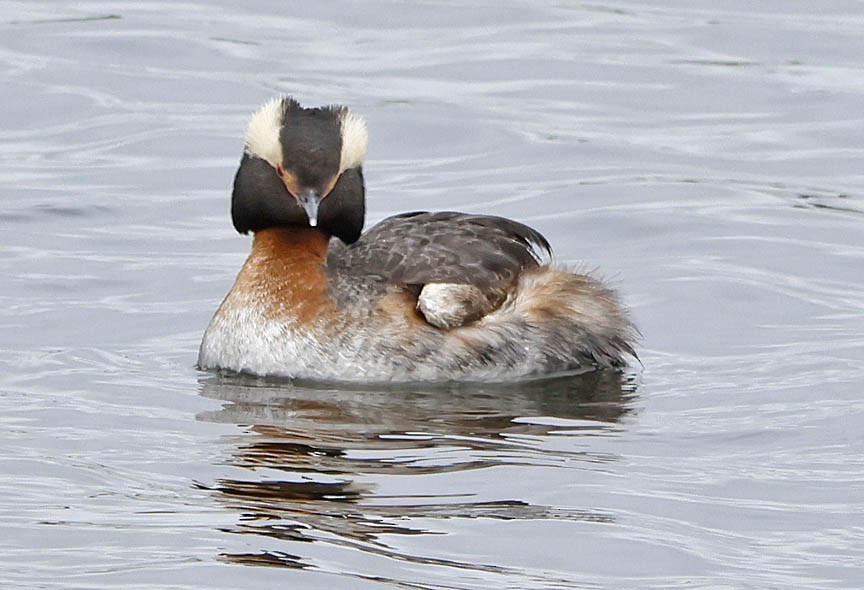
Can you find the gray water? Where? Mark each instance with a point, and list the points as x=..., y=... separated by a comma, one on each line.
x=704, y=157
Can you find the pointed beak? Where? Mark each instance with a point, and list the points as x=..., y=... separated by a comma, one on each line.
x=309, y=200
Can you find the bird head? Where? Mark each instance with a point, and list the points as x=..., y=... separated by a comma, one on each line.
x=302, y=166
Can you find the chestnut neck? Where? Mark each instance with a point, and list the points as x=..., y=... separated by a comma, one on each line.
x=291, y=243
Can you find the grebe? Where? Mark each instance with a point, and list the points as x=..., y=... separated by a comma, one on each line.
x=419, y=297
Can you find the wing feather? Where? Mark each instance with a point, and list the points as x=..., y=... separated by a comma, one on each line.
x=445, y=247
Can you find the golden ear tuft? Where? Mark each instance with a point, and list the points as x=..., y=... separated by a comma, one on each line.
x=262, y=131
x=355, y=140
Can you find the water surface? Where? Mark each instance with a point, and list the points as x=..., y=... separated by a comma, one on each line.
x=705, y=159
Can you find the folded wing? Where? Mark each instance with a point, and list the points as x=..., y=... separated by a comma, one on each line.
x=458, y=255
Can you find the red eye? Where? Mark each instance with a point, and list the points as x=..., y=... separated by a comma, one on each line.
x=279, y=170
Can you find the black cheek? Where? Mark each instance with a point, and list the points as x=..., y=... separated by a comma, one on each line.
x=343, y=211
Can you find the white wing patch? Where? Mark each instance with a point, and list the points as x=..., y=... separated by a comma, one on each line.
x=450, y=305
x=355, y=141
x=262, y=132
x=541, y=253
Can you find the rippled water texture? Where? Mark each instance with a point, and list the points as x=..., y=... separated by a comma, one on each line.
x=705, y=157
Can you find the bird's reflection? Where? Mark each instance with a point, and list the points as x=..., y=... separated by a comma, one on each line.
x=311, y=454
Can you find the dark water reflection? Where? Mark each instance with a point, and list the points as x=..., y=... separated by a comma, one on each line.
x=311, y=455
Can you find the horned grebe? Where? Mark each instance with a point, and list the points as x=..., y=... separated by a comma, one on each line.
x=419, y=297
